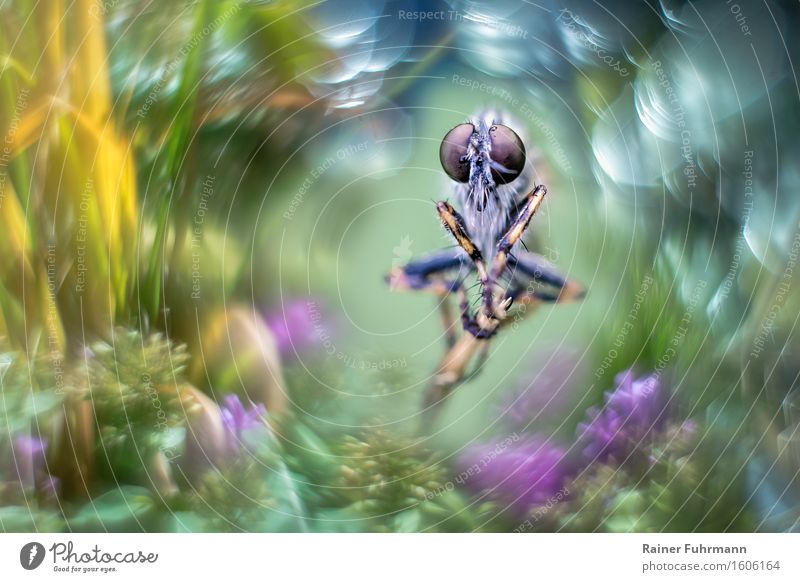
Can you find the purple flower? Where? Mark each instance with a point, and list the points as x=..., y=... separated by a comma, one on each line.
x=297, y=325
x=634, y=412
x=237, y=419
x=26, y=464
x=517, y=472
x=214, y=433
x=28, y=459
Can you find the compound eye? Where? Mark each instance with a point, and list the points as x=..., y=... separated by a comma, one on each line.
x=508, y=151
x=453, y=149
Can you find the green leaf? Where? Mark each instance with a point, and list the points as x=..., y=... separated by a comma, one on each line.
x=185, y=522
x=122, y=510
x=407, y=521
x=38, y=403
x=16, y=416
x=178, y=147
x=23, y=519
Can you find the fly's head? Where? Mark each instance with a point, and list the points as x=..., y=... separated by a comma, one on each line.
x=482, y=156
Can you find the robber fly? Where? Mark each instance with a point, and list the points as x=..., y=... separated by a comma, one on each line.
x=486, y=161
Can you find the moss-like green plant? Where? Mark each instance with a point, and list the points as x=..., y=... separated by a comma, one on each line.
x=133, y=384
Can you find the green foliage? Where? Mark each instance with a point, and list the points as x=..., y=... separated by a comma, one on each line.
x=133, y=384
x=125, y=509
x=27, y=392
x=255, y=493
x=682, y=489
x=383, y=473
x=20, y=519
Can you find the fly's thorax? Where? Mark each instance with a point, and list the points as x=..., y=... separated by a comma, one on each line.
x=487, y=224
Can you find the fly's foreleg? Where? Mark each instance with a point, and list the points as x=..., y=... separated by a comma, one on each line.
x=455, y=225
x=517, y=229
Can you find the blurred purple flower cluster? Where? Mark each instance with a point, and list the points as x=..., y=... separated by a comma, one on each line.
x=520, y=474
x=237, y=419
x=294, y=324
x=634, y=412
x=28, y=465
x=529, y=471
x=214, y=436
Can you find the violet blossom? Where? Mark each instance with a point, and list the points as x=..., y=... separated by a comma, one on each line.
x=28, y=465
x=214, y=434
x=519, y=473
x=237, y=419
x=296, y=325
x=633, y=414
x=28, y=459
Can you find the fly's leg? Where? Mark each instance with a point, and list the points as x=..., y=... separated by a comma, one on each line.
x=483, y=356
x=448, y=321
x=452, y=370
x=497, y=311
x=427, y=274
x=536, y=278
x=455, y=225
x=537, y=282
x=450, y=373
x=517, y=229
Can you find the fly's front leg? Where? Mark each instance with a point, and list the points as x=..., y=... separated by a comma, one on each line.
x=455, y=225
x=517, y=229
x=511, y=238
